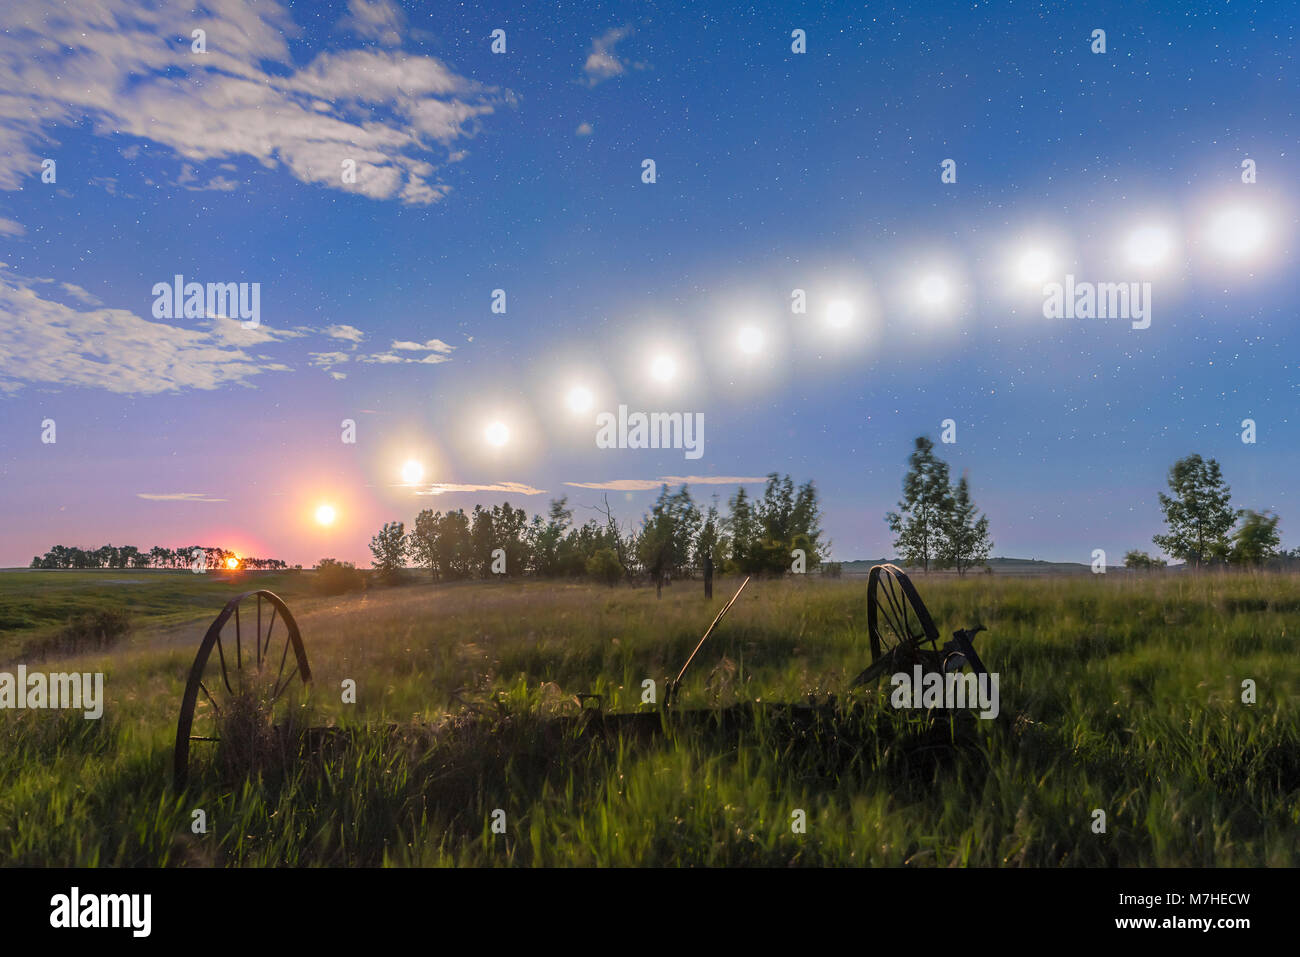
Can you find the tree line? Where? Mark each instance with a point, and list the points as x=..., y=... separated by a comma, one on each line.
x=129, y=556
x=779, y=532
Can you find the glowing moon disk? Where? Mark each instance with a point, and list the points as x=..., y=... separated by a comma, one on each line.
x=580, y=399
x=325, y=515
x=663, y=368
x=933, y=290
x=1035, y=266
x=750, y=340
x=497, y=434
x=839, y=313
x=1238, y=232
x=1149, y=246
x=412, y=472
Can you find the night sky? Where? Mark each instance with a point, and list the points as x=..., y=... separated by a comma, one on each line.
x=522, y=171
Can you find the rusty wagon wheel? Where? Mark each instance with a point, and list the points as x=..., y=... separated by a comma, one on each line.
x=898, y=622
x=251, y=659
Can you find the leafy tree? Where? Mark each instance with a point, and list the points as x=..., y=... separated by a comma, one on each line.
x=455, y=545
x=965, y=537
x=510, y=526
x=742, y=530
x=668, y=535
x=389, y=548
x=482, y=539
x=547, y=539
x=424, y=541
x=1257, y=540
x=710, y=543
x=604, y=566
x=1197, y=514
x=926, y=501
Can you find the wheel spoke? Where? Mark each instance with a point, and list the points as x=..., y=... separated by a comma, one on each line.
x=215, y=706
x=266, y=645
x=288, y=681
x=896, y=612
x=222, y=656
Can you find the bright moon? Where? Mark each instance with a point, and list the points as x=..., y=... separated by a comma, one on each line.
x=1035, y=266
x=663, y=368
x=497, y=434
x=839, y=313
x=933, y=290
x=412, y=472
x=1149, y=246
x=750, y=340
x=580, y=399
x=1238, y=232
x=325, y=515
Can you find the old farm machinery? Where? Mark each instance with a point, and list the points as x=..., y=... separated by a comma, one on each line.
x=232, y=672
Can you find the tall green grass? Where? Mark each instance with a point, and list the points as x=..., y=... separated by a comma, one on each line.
x=1118, y=694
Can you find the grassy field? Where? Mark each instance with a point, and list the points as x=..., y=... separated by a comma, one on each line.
x=1120, y=694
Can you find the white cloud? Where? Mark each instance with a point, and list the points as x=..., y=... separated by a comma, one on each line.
x=350, y=333
x=327, y=360
x=124, y=69
x=601, y=62
x=380, y=20
x=9, y=227
x=515, y=488
x=644, y=485
x=178, y=497
x=437, y=345
x=55, y=344
x=83, y=296
x=438, y=350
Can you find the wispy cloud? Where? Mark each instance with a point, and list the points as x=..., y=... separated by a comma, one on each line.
x=438, y=351
x=348, y=333
x=9, y=227
x=61, y=345
x=436, y=345
x=602, y=63
x=514, y=488
x=178, y=497
x=643, y=485
x=380, y=20
x=121, y=69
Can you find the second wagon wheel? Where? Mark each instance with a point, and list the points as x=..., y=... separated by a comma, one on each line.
x=244, y=661
x=898, y=622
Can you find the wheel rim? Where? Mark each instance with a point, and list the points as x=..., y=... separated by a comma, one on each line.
x=262, y=668
x=896, y=616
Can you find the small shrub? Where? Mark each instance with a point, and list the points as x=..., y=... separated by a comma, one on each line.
x=249, y=743
x=86, y=631
x=336, y=578
x=605, y=567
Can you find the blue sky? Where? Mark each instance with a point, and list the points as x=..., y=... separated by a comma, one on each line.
x=522, y=171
